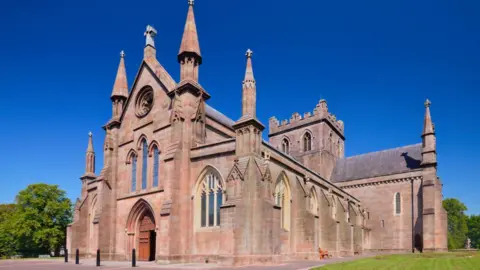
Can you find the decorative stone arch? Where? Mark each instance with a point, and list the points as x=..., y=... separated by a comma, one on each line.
x=151, y=147
x=141, y=211
x=209, y=181
x=140, y=140
x=283, y=199
x=130, y=155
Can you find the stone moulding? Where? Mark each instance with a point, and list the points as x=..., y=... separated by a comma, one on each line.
x=376, y=183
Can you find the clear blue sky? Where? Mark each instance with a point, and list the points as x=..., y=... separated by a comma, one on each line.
x=375, y=62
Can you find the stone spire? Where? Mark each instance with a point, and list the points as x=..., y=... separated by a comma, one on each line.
x=429, y=154
x=120, y=87
x=427, y=122
x=249, y=94
x=189, y=55
x=90, y=157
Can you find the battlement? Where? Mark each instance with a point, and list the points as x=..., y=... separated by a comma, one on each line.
x=320, y=113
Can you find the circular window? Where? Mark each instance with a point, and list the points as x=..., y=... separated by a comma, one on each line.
x=144, y=102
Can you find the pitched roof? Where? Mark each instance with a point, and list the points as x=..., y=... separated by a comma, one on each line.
x=218, y=116
x=391, y=161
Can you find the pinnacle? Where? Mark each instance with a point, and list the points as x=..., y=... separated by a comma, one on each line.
x=249, y=69
x=90, y=142
x=427, y=122
x=120, y=87
x=190, y=42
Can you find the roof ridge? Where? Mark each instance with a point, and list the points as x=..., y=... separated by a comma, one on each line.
x=385, y=150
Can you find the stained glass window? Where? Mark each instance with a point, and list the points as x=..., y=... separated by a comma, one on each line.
x=144, y=164
x=398, y=206
x=134, y=173
x=156, y=158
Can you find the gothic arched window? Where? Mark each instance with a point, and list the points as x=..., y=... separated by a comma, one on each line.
x=134, y=172
x=307, y=142
x=144, y=164
x=398, y=204
x=210, y=198
x=282, y=199
x=285, y=146
x=156, y=157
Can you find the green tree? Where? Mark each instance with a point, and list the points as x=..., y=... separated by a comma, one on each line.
x=41, y=215
x=7, y=239
x=457, y=223
x=474, y=230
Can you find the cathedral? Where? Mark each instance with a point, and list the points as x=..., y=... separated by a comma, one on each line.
x=182, y=182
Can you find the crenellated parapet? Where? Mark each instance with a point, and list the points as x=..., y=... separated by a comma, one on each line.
x=320, y=113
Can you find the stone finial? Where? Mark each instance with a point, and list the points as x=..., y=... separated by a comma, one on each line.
x=191, y=2
x=90, y=142
x=122, y=54
x=90, y=134
x=150, y=33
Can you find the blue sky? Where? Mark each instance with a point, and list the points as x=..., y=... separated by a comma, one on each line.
x=375, y=62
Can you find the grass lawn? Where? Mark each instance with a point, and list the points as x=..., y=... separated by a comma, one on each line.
x=437, y=261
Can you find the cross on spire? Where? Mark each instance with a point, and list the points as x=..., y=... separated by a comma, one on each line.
x=249, y=53
x=191, y=2
x=90, y=134
x=122, y=54
x=150, y=33
x=427, y=103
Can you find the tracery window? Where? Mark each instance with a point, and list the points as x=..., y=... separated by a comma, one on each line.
x=282, y=199
x=156, y=157
x=398, y=202
x=307, y=142
x=144, y=164
x=210, y=196
x=134, y=173
x=285, y=146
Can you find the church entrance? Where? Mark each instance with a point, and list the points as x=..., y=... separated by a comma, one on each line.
x=147, y=237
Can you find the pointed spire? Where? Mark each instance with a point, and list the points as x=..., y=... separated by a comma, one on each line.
x=190, y=38
x=249, y=94
x=249, y=70
x=90, y=158
x=427, y=122
x=120, y=87
x=90, y=143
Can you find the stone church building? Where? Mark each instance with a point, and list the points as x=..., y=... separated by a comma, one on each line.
x=182, y=182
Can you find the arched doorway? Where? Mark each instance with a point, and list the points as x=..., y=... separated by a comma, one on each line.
x=141, y=230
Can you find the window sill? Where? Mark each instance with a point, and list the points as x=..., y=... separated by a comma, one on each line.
x=208, y=229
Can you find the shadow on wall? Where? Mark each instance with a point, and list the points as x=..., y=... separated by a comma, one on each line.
x=411, y=162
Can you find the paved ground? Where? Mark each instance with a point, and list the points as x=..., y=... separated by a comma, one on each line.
x=90, y=264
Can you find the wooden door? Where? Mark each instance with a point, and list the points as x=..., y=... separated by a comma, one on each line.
x=144, y=246
x=146, y=243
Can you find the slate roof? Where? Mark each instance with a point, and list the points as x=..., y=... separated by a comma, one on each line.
x=218, y=116
x=391, y=161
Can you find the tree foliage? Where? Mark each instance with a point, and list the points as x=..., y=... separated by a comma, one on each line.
x=457, y=223
x=474, y=230
x=38, y=221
